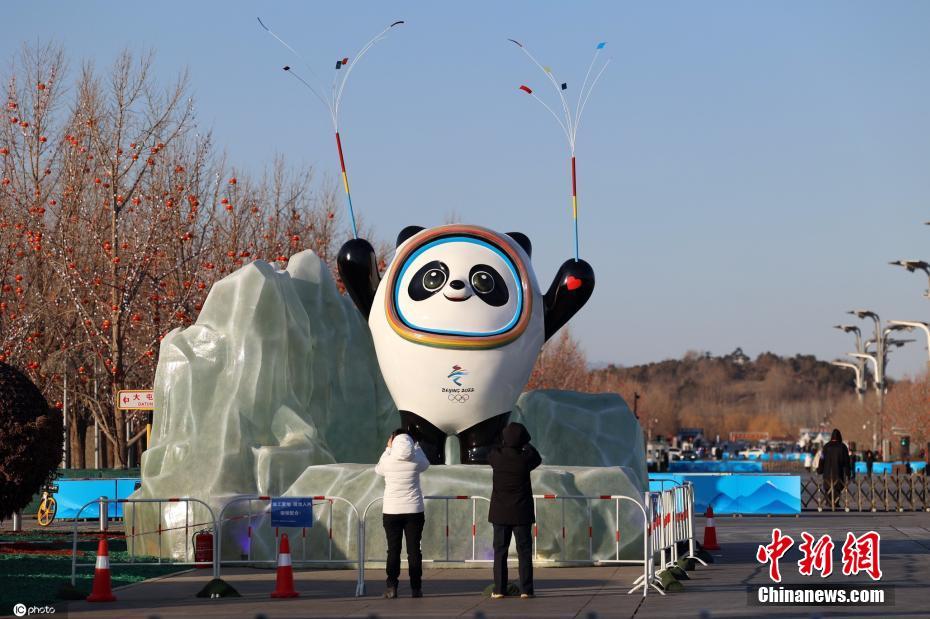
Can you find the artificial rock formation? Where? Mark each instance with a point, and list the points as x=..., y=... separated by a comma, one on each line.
x=275, y=390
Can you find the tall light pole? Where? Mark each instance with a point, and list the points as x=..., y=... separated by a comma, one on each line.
x=879, y=360
x=860, y=363
x=878, y=389
x=915, y=265
x=910, y=325
x=890, y=345
x=880, y=352
x=855, y=367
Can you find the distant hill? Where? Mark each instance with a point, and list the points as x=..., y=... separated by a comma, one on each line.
x=797, y=377
x=731, y=392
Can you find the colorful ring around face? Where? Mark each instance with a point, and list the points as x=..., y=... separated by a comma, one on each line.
x=442, y=340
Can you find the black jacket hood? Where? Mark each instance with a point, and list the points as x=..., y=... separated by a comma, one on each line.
x=515, y=435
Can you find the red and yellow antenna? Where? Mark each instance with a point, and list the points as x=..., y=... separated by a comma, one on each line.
x=570, y=119
x=340, y=77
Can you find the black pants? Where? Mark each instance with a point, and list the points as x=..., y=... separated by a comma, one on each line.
x=833, y=491
x=410, y=526
x=521, y=532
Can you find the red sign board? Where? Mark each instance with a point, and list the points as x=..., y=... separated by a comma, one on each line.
x=142, y=400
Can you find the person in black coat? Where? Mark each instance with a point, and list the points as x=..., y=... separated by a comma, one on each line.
x=834, y=466
x=869, y=461
x=511, y=510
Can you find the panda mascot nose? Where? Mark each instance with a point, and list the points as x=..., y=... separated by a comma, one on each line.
x=457, y=284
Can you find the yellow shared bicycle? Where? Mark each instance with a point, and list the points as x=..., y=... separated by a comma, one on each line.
x=48, y=506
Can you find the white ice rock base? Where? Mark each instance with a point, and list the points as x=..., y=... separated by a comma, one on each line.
x=584, y=429
x=276, y=386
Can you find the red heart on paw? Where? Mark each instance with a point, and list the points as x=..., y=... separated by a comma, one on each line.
x=572, y=282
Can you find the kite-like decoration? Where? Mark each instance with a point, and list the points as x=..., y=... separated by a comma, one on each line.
x=570, y=117
x=335, y=99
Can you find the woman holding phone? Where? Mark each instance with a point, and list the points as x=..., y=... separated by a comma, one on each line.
x=401, y=465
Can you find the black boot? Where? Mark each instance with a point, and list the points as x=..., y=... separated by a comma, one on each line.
x=390, y=592
x=432, y=440
x=476, y=442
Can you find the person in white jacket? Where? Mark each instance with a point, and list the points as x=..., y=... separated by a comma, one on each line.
x=401, y=465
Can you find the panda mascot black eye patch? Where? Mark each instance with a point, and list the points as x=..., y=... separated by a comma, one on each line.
x=433, y=282
x=430, y=279
x=488, y=285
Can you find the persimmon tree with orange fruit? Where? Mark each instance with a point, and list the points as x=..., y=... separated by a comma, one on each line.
x=116, y=217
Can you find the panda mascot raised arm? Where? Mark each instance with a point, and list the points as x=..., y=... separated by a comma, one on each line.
x=457, y=322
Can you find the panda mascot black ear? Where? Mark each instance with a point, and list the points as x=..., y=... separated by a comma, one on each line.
x=523, y=241
x=408, y=232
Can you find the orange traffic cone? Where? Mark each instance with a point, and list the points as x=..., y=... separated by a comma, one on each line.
x=710, y=531
x=284, y=584
x=102, y=591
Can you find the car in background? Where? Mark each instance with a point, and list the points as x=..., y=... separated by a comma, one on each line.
x=655, y=454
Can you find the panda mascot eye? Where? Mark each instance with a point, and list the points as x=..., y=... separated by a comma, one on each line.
x=489, y=284
x=482, y=282
x=434, y=279
x=428, y=280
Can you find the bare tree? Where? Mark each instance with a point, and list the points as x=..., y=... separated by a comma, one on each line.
x=116, y=217
x=561, y=365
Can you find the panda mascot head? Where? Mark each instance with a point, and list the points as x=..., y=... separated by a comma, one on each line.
x=460, y=286
x=457, y=325
x=457, y=320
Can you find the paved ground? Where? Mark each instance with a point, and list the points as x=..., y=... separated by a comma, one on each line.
x=719, y=590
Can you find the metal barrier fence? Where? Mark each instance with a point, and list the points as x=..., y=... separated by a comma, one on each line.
x=671, y=523
x=663, y=481
x=562, y=499
x=363, y=533
x=250, y=499
x=104, y=504
x=667, y=521
x=886, y=493
x=590, y=559
x=656, y=544
x=681, y=523
x=446, y=499
x=648, y=564
x=589, y=513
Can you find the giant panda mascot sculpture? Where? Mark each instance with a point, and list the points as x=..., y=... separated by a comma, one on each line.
x=458, y=321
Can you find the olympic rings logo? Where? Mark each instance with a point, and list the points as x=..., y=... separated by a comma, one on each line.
x=461, y=398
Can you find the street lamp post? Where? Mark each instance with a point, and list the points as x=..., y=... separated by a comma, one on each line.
x=860, y=363
x=878, y=389
x=910, y=325
x=915, y=265
x=855, y=367
x=879, y=360
x=889, y=345
x=879, y=343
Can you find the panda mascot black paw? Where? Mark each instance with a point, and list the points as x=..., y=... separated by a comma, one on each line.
x=457, y=321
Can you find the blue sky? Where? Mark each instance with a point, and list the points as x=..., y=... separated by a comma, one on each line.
x=746, y=170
